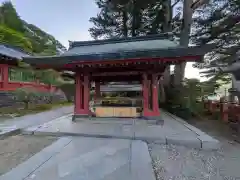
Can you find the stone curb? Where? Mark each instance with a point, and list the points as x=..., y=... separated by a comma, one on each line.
x=14, y=131
x=61, y=134
x=17, y=130
x=23, y=170
x=11, y=132
x=189, y=142
x=184, y=141
x=207, y=142
x=141, y=162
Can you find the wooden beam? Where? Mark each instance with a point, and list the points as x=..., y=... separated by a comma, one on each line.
x=125, y=78
x=171, y=60
x=114, y=74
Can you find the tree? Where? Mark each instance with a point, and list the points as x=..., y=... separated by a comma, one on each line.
x=15, y=38
x=48, y=76
x=9, y=16
x=218, y=22
x=123, y=18
x=17, y=32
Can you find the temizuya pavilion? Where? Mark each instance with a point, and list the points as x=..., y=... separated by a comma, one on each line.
x=140, y=59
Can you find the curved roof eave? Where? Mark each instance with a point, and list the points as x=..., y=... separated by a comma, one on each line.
x=8, y=51
x=122, y=55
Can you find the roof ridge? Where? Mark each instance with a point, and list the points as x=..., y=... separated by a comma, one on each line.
x=74, y=44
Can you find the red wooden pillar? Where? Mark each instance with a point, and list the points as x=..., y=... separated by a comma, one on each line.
x=97, y=90
x=78, y=93
x=146, y=84
x=145, y=94
x=82, y=96
x=155, y=98
x=86, y=93
x=4, y=75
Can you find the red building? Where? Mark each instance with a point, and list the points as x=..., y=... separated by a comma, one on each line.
x=141, y=59
x=13, y=77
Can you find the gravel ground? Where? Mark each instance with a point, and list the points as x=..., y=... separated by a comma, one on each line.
x=17, y=149
x=181, y=163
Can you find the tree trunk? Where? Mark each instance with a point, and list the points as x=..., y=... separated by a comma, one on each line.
x=125, y=28
x=166, y=76
x=179, y=70
x=162, y=93
x=167, y=27
x=165, y=82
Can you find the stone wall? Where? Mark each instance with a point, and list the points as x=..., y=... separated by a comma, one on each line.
x=8, y=99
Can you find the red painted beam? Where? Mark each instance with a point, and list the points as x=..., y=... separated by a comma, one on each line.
x=136, y=60
x=127, y=62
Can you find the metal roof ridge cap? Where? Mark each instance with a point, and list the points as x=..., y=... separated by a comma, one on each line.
x=74, y=44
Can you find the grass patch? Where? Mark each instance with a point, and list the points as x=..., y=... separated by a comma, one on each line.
x=33, y=109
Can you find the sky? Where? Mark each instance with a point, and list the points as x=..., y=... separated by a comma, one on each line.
x=66, y=20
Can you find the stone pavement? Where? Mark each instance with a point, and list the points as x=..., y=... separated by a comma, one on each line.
x=10, y=126
x=173, y=131
x=79, y=158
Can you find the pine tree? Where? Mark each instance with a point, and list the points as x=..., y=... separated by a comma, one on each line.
x=10, y=18
x=219, y=23
x=123, y=18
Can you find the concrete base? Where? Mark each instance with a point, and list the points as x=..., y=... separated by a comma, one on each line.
x=169, y=132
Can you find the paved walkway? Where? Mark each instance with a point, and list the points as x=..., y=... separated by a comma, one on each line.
x=87, y=159
x=104, y=148
x=173, y=131
x=13, y=125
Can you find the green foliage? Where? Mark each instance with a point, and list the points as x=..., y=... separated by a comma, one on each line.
x=13, y=37
x=69, y=91
x=9, y=17
x=122, y=18
x=26, y=95
x=48, y=76
x=29, y=95
x=32, y=109
x=17, y=32
x=190, y=102
x=218, y=22
x=43, y=43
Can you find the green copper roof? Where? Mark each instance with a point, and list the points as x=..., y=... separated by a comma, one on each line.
x=119, y=49
x=126, y=45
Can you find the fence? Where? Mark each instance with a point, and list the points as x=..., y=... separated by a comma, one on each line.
x=12, y=78
x=11, y=86
x=229, y=112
